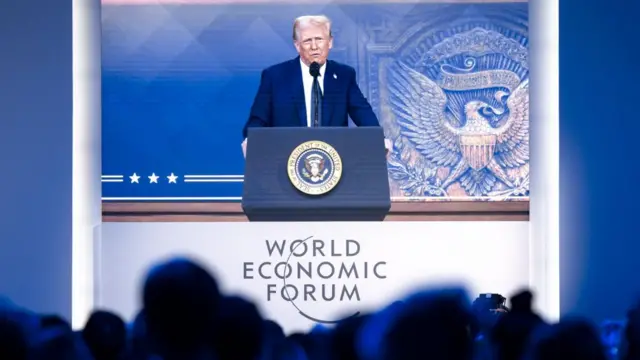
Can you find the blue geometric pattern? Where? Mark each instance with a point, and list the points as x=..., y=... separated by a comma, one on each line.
x=178, y=81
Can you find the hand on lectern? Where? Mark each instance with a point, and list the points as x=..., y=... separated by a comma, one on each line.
x=244, y=148
x=387, y=147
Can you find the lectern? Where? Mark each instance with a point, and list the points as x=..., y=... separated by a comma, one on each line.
x=316, y=174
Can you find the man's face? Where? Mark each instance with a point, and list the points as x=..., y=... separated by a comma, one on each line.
x=313, y=43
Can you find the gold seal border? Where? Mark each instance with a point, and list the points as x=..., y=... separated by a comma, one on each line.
x=314, y=145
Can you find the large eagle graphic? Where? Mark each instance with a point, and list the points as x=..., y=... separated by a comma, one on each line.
x=419, y=105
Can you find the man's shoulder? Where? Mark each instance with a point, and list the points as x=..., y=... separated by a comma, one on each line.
x=280, y=67
x=340, y=67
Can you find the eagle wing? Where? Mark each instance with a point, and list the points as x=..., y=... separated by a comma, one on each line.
x=512, y=146
x=419, y=104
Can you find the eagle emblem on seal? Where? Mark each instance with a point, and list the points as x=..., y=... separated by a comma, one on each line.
x=419, y=104
x=315, y=170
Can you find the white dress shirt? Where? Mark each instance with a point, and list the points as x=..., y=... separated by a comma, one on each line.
x=307, y=83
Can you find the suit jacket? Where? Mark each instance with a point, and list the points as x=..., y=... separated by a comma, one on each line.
x=280, y=99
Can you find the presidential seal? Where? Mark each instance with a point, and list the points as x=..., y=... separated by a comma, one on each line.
x=314, y=168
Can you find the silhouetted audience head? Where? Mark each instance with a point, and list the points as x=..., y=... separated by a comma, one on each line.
x=431, y=325
x=180, y=302
x=54, y=340
x=574, y=338
x=513, y=330
x=273, y=330
x=241, y=330
x=289, y=350
x=522, y=302
x=344, y=337
x=370, y=337
x=316, y=344
x=301, y=340
x=105, y=334
x=632, y=334
x=139, y=345
x=273, y=335
x=13, y=340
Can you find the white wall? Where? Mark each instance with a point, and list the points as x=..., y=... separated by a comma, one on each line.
x=485, y=256
x=545, y=155
x=87, y=153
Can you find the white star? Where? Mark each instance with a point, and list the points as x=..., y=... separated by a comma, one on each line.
x=134, y=178
x=172, y=178
x=153, y=178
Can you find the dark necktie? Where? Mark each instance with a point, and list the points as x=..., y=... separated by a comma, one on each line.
x=316, y=103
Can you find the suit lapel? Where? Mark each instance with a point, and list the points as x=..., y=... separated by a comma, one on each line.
x=328, y=98
x=298, y=91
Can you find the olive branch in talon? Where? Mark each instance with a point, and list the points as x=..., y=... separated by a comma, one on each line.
x=521, y=188
x=413, y=181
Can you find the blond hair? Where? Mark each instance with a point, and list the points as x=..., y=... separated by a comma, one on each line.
x=321, y=20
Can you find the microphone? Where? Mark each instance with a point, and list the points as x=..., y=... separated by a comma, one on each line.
x=314, y=69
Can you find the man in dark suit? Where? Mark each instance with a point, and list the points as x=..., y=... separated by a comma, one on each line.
x=310, y=90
